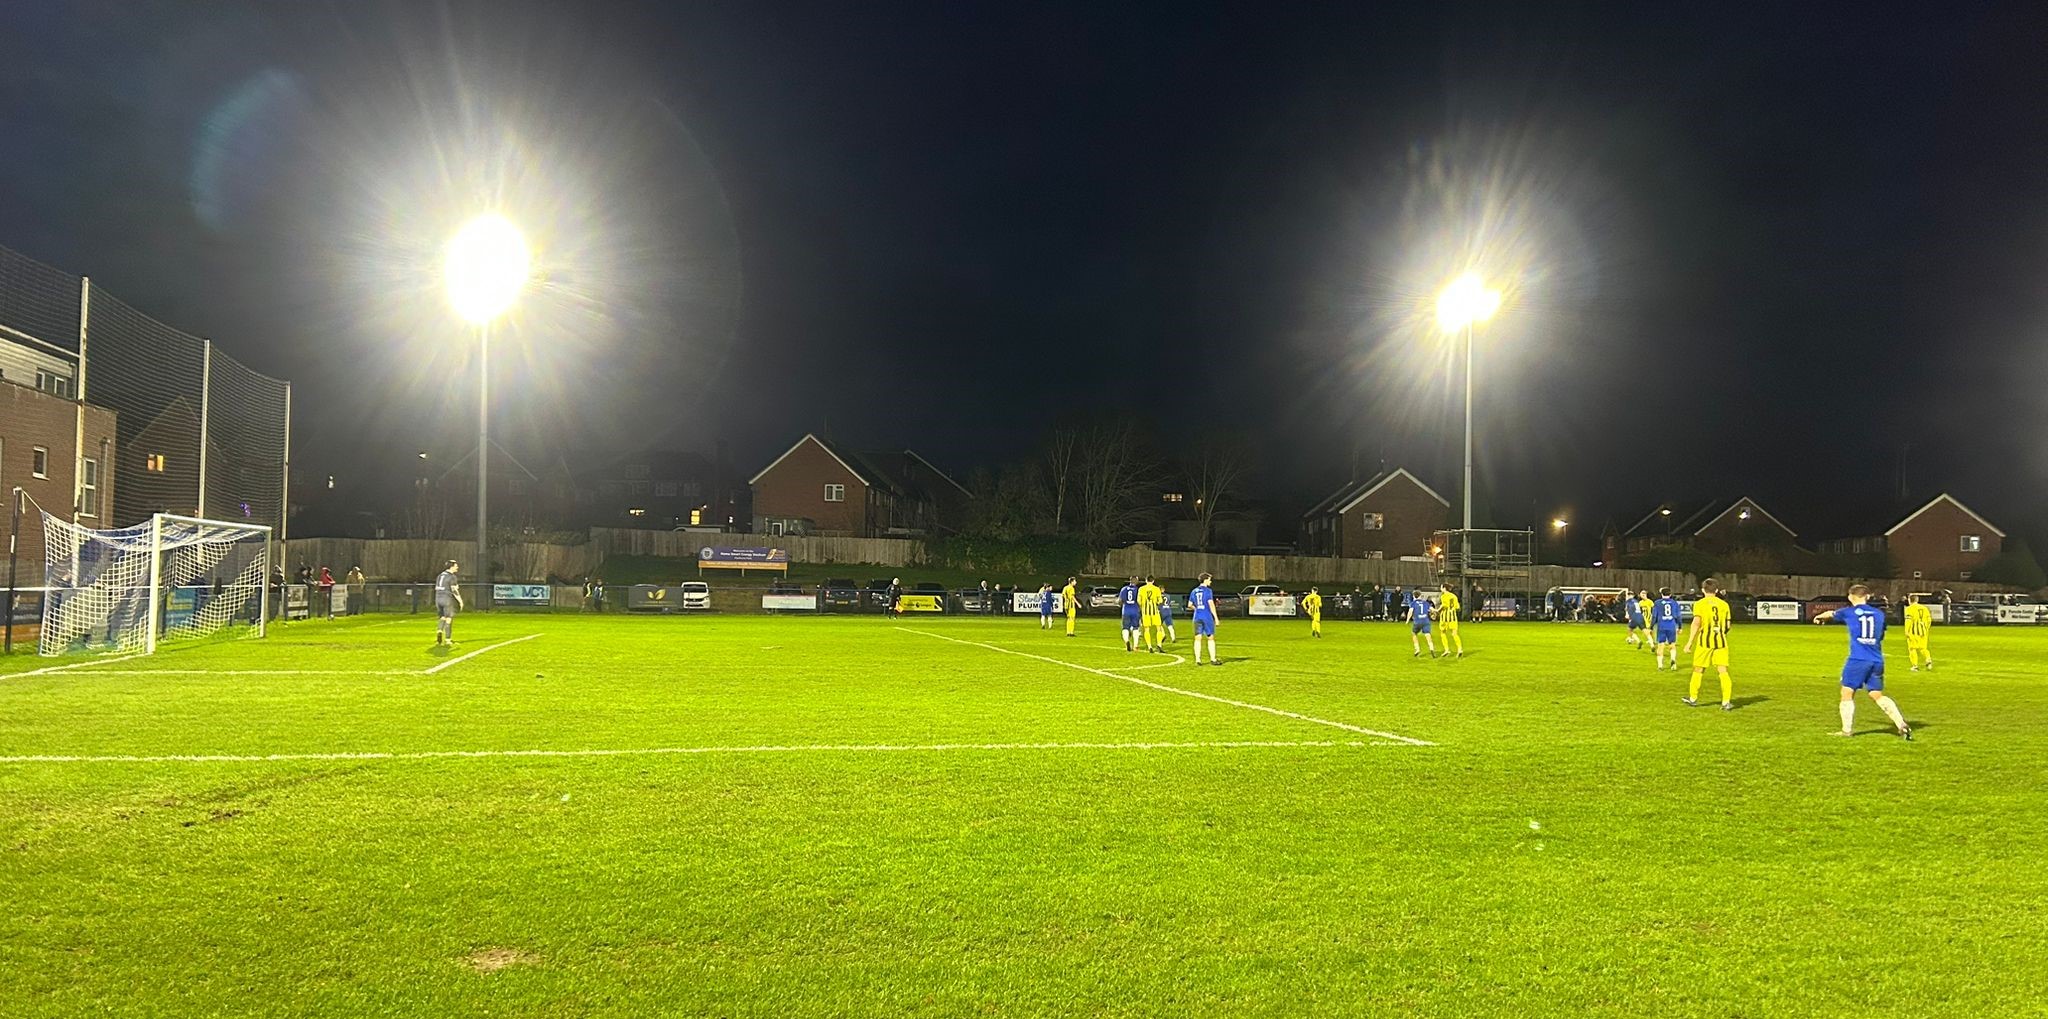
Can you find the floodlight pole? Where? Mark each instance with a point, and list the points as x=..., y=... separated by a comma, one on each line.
x=483, y=460
x=1465, y=538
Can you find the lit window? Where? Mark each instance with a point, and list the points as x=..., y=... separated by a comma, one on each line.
x=1373, y=521
x=1972, y=543
x=637, y=511
x=330, y=482
x=89, y=490
x=155, y=464
x=1170, y=497
x=835, y=493
x=41, y=465
x=696, y=517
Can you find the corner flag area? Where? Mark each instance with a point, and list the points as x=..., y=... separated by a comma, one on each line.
x=859, y=816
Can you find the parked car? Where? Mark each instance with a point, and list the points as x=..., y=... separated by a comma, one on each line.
x=878, y=595
x=1103, y=597
x=696, y=594
x=1254, y=590
x=839, y=594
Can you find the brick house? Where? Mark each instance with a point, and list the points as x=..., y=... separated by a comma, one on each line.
x=1714, y=525
x=1942, y=540
x=820, y=487
x=1386, y=516
x=663, y=489
x=39, y=454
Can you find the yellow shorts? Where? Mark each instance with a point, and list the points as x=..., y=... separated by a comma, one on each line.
x=1916, y=643
x=1709, y=657
x=1447, y=627
x=1150, y=619
x=1315, y=617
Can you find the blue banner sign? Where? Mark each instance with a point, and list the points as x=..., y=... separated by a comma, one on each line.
x=722, y=558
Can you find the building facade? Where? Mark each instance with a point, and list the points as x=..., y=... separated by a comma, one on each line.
x=1941, y=540
x=39, y=454
x=819, y=487
x=1386, y=516
x=1716, y=525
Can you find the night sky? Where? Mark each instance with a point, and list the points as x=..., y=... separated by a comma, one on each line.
x=1768, y=249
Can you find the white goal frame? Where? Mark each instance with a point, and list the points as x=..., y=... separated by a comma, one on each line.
x=106, y=597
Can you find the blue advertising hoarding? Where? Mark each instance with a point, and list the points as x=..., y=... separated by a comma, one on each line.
x=725, y=558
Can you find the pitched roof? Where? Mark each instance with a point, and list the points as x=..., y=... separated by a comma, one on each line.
x=1952, y=500
x=896, y=472
x=1713, y=512
x=1343, y=499
x=829, y=451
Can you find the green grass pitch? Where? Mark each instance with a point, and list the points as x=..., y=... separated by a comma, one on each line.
x=851, y=816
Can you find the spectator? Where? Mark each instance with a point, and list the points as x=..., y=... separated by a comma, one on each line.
x=1372, y=601
x=305, y=573
x=589, y=604
x=1478, y=603
x=597, y=594
x=893, y=603
x=327, y=591
x=277, y=600
x=358, y=590
x=988, y=604
x=1399, y=602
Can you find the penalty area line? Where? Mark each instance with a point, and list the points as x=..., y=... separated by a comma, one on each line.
x=478, y=651
x=74, y=665
x=814, y=748
x=1198, y=695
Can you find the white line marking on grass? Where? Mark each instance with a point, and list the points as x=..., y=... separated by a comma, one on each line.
x=1346, y=726
x=74, y=665
x=818, y=748
x=257, y=672
x=478, y=651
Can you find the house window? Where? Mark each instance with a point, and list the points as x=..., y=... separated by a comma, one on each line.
x=1972, y=543
x=155, y=464
x=666, y=489
x=775, y=527
x=40, y=467
x=53, y=383
x=1170, y=497
x=637, y=511
x=697, y=517
x=1373, y=521
x=89, y=490
x=833, y=493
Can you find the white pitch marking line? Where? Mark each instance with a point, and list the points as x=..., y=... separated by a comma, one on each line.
x=478, y=651
x=841, y=748
x=256, y=672
x=73, y=665
x=1346, y=726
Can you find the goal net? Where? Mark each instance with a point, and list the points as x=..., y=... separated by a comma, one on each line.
x=129, y=589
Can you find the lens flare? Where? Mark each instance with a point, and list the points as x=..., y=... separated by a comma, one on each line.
x=486, y=268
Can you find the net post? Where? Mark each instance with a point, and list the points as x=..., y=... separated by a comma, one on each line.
x=156, y=575
x=263, y=591
x=205, y=412
x=78, y=435
x=13, y=540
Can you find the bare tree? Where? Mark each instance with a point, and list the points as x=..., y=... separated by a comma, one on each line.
x=1216, y=475
x=1117, y=480
x=1062, y=458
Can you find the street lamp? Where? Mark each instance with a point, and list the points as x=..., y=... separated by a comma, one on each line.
x=1464, y=303
x=487, y=266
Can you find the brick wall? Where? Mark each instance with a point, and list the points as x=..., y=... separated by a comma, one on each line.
x=1932, y=544
x=1408, y=514
x=28, y=419
x=795, y=488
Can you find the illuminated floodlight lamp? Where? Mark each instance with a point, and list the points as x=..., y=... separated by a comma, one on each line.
x=487, y=266
x=1465, y=302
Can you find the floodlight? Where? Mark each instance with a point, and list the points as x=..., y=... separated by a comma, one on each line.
x=487, y=267
x=1560, y=523
x=1464, y=302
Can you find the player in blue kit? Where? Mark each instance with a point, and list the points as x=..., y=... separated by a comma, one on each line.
x=1638, y=623
x=1202, y=605
x=1045, y=601
x=1865, y=668
x=1666, y=612
x=1127, y=599
x=1166, y=617
x=1418, y=623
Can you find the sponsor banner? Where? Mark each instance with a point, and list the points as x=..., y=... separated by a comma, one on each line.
x=724, y=558
x=1025, y=603
x=789, y=602
x=179, y=605
x=2019, y=613
x=298, y=602
x=1499, y=608
x=921, y=603
x=515, y=594
x=340, y=599
x=1779, y=612
x=1936, y=612
x=1272, y=605
x=649, y=597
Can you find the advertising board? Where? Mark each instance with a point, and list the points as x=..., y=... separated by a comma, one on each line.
x=1272, y=605
x=513, y=594
x=921, y=603
x=1778, y=612
x=724, y=558
x=789, y=602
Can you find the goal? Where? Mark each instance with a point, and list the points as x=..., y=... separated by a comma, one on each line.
x=129, y=589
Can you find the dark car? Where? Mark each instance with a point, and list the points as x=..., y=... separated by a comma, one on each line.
x=878, y=594
x=839, y=595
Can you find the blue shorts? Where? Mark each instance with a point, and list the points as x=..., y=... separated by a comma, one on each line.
x=1859, y=674
x=1205, y=625
x=1419, y=625
x=1636, y=623
x=1130, y=617
x=1667, y=634
x=1165, y=614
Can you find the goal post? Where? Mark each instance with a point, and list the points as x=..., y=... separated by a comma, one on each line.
x=130, y=589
